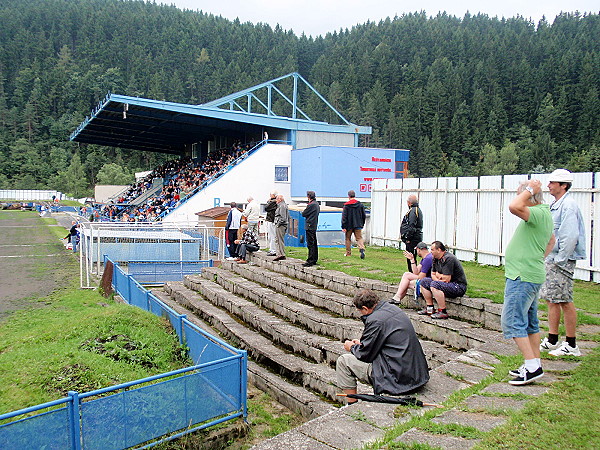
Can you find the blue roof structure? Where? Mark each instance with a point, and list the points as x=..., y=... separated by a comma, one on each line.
x=167, y=127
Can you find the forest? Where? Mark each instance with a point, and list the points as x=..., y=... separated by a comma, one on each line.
x=472, y=95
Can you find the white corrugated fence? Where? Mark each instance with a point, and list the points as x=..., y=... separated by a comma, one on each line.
x=470, y=214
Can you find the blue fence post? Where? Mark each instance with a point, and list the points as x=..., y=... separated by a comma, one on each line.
x=148, y=301
x=244, y=382
x=74, y=420
x=129, y=282
x=181, y=318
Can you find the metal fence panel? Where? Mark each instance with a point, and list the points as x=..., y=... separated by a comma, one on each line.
x=490, y=220
x=428, y=196
x=135, y=416
x=584, y=201
x=466, y=218
x=394, y=200
x=49, y=430
x=138, y=296
x=201, y=347
x=158, y=308
x=595, y=249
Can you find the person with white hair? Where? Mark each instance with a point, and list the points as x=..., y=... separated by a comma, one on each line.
x=524, y=272
x=557, y=290
x=281, y=225
x=270, y=209
x=252, y=214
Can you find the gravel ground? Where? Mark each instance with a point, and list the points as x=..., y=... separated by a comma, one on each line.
x=33, y=261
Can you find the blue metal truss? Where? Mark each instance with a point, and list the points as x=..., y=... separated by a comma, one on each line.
x=250, y=97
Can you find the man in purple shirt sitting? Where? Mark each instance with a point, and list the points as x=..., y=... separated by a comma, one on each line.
x=410, y=279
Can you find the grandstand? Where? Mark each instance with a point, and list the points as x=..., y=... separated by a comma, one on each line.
x=225, y=150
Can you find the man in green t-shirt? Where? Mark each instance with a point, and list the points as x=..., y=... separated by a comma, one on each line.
x=525, y=273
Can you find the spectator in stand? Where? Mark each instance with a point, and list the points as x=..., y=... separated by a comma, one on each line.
x=232, y=226
x=270, y=208
x=353, y=221
x=248, y=243
x=281, y=224
x=411, y=279
x=252, y=214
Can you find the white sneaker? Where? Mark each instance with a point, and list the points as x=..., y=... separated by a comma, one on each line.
x=546, y=345
x=566, y=350
x=230, y=258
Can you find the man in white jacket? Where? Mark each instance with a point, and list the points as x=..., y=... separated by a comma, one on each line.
x=252, y=213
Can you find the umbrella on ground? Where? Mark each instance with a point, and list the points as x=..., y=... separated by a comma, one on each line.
x=407, y=401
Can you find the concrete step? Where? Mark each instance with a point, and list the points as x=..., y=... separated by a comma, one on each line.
x=316, y=296
x=476, y=310
x=452, y=332
x=319, y=378
x=280, y=298
x=292, y=396
x=306, y=316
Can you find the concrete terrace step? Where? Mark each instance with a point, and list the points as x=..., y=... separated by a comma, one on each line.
x=319, y=297
x=453, y=333
x=293, y=338
x=306, y=316
x=278, y=300
x=477, y=310
x=317, y=377
x=292, y=396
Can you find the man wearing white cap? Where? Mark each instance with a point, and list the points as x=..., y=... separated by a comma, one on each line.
x=557, y=290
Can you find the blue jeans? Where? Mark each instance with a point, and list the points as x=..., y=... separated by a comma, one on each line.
x=519, y=313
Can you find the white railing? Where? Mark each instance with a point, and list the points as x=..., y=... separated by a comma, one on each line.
x=30, y=194
x=125, y=242
x=470, y=214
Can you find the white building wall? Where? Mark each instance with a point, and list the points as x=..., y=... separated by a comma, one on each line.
x=255, y=176
x=470, y=214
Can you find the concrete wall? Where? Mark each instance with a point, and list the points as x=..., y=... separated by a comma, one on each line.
x=255, y=176
x=105, y=191
x=306, y=139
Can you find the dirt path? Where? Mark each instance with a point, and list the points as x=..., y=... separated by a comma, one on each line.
x=33, y=261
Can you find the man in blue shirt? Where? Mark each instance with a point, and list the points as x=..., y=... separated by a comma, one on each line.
x=419, y=272
x=557, y=290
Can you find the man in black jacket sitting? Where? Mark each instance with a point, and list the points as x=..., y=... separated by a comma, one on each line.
x=388, y=355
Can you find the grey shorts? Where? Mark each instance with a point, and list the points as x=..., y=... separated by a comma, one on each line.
x=558, y=287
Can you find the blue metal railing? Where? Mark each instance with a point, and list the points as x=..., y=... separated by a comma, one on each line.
x=175, y=403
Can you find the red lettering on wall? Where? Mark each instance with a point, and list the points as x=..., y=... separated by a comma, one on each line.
x=373, y=158
x=368, y=169
x=383, y=170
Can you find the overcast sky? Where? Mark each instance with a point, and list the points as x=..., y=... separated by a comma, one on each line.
x=317, y=17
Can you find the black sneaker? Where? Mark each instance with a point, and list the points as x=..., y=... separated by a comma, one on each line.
x=526, y=377
x=515, y=372
x=362, y=254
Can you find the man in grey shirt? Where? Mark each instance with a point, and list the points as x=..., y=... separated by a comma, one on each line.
x=281, y=224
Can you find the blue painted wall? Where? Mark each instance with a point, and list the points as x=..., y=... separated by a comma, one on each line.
x=333, y=171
